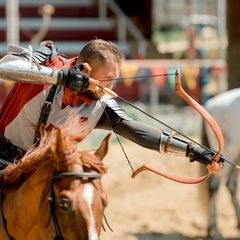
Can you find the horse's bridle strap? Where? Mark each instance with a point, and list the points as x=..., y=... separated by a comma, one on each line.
x=77, y=174
x=51, y=200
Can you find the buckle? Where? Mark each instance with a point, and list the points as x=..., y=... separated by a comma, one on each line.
x=46, y=104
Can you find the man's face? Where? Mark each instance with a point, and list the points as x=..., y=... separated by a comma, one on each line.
x=105, y=74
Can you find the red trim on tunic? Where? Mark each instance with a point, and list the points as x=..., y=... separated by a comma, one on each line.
x=21, y=93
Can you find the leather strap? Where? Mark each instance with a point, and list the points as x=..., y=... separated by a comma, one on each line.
x=8, y=151
x=45, y=110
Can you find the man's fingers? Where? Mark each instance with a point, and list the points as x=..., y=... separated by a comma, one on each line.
x=215, y=167
x=92, y=84
x=87, y=67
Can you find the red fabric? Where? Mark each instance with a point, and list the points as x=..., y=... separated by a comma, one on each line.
x=21, y=93
x=160, y=80
x=71, y=98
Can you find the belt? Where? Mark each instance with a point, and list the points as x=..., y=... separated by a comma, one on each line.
x=9, y=151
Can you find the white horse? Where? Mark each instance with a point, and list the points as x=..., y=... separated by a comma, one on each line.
x=225, y=109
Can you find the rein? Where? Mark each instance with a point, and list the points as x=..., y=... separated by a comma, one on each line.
x=1, y=215
x=51, y=200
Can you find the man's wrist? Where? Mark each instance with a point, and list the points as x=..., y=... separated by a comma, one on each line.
x=197, y=153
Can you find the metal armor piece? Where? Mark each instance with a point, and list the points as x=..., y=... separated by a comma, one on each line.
x=42, y=54
x=117, y=109
x=173, y=145
x=24, y=71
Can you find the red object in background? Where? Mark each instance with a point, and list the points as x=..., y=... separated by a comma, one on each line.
x=129, y=93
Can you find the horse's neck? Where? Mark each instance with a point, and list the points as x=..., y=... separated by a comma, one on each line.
x=24, y=199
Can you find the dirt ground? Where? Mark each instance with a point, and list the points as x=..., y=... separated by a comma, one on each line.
x=150, y=207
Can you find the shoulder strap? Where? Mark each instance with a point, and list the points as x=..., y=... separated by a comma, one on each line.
x=48, y=51
x=45, y=110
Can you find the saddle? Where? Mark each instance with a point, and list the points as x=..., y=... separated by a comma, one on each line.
x=9, y=154
x=8, y=151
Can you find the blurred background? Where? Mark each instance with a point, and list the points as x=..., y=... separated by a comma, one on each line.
x=200, y=37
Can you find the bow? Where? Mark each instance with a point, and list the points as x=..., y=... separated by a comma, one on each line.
x=213, y=124
x=180, y=91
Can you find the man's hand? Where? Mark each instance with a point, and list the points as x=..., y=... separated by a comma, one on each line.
x=75, y=80
x=215, y=167
x=204, y=156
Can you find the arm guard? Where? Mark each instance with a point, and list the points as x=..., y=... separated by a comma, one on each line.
x=173, y=145
x=176, y=146
x=22, y=65
x=24, y=71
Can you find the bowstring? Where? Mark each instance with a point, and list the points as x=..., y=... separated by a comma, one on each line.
x=118, y=139
x=173, y=129
x=147, y=114
x=116, y=135
x=134, y=77
x=157, y=120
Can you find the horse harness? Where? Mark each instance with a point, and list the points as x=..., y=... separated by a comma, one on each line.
x=51, y=200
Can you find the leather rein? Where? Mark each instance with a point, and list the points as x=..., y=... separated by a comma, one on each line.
x=51, y=200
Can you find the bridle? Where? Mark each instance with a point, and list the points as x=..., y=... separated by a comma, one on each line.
x=51, y=200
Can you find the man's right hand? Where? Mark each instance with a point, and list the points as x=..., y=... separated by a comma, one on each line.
x=74, y=79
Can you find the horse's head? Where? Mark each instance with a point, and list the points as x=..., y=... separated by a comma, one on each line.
x=56, y=174
x=78, y=199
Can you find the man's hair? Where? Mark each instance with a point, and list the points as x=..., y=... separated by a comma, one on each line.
x=100, y=51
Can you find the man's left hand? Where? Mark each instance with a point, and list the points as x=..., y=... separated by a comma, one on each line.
x=215, y=167
x=204, y=156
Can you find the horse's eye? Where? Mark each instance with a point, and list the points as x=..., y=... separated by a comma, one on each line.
x=64, y=204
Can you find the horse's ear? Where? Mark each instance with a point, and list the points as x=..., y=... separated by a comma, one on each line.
x=58, y=147
x=103, y=149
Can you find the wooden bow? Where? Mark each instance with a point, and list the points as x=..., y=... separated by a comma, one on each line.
x=179, y=90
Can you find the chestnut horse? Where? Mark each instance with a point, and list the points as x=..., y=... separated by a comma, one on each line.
x=55, y=191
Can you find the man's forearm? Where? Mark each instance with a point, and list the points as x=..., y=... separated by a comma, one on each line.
x=142, y=134
x=25, y=71
x=153, y=138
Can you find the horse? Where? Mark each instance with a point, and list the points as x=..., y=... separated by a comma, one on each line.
x=55, y=190
x=225, y=109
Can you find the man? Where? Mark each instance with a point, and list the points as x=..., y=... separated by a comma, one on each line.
x=78, y=82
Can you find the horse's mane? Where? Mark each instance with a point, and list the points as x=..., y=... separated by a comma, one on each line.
x=72, y=131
